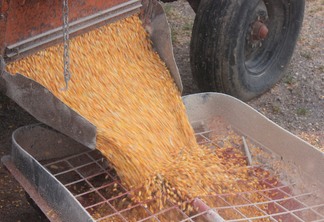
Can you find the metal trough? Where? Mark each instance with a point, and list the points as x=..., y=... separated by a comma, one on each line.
x=70, y=182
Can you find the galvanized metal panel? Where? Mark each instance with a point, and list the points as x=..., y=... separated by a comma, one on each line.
x=293, y=205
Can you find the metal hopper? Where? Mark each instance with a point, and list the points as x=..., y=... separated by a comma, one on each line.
x=39, y=101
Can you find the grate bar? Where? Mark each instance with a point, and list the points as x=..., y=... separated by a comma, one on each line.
x=90, y=159
x=94, y=189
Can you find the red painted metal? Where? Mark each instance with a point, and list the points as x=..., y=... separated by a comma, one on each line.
x=3, y=20
x=20, y=20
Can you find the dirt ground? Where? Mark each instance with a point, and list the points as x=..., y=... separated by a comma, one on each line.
x=296, y=103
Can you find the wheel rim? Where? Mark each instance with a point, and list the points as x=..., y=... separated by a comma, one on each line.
x=265, y=37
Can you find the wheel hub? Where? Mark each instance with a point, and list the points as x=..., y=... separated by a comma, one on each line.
x=259, y=31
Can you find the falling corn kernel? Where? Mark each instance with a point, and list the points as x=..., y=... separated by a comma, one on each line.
x=120, y=85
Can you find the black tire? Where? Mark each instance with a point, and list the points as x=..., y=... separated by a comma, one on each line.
x=225, y=57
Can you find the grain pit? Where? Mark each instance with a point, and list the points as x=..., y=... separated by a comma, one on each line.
x=121, y=86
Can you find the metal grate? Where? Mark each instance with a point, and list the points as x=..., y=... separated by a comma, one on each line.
x=94, y=183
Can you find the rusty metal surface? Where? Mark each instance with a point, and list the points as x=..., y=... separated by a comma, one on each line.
x=30, y=18
x=39, y=34
x=4, y=5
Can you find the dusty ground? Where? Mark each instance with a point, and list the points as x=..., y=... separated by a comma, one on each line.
x=296, y=103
